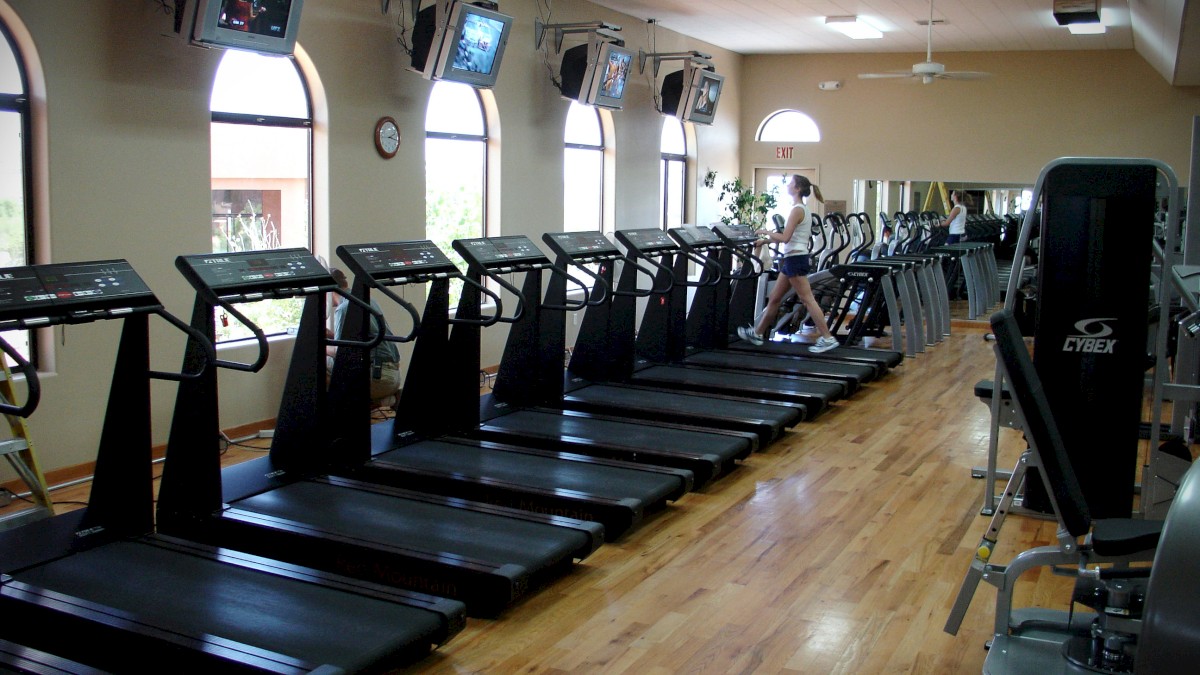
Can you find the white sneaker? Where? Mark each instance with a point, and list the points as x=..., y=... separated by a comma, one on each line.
x=807, y=329
x=823, y=344
x=797, y=337
x=747, y=333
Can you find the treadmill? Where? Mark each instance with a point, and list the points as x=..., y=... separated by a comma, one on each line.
x=585, y=387
x=745, y=291
x=707, y=324
x=99, y=587
x=661, y=337
x=422, y=447
x=287, y=505
x=517, y=412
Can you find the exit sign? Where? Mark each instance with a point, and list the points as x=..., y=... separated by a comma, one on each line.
x=784, y=152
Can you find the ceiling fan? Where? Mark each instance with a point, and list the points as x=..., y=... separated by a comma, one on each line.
x=928, y=70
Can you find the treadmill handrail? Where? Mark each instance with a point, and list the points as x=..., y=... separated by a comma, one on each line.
x=521, y=301
x=483, y=322
x=370, y=343
x=607, y=287
x=210, y=350
x=569, y=306
x=633, y=259
x=406, y=305
x=32, y=384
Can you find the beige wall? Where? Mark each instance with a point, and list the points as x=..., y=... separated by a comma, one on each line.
x=127, y=143
x=1036, y=107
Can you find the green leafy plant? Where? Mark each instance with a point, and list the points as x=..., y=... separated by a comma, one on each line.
x=742, y=204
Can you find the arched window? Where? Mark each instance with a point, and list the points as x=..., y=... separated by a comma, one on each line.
x=583, y=170
x=791, y=126
x=455, y=168
x=672, y=172
x=16, y=234
x=261, y=171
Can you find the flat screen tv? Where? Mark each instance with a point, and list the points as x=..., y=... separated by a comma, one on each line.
x=597, y=80
x=268, y=26
x=460, y=42
x=692, y=94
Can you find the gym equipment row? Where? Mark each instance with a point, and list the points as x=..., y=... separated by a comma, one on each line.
x=408, y=525
x=1089, y=360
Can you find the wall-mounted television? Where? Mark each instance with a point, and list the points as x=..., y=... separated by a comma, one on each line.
x=268, y=26
x=460, y=42
x=692, y=94
x=596, y=74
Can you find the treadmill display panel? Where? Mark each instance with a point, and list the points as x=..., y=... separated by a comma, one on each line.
x=22, y=293
x=91, y=285
x=501, y=251
x=694, y=236
x=738, y=234
x=254, y=271
x=396, y=259
x=646, y=240
x=580, y=243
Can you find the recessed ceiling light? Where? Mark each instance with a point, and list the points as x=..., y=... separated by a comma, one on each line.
x=853, y=27
x=1086, y=28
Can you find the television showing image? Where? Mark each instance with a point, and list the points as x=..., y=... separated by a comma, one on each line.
x=267, y=26
x=460, y=42
x=701, y=105
x=610, y=76
x=596, y=73
x=692, y=94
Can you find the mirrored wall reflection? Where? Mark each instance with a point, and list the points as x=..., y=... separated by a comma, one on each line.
x=875, y=196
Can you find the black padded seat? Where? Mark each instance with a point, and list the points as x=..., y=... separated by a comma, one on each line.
x=1125, y=536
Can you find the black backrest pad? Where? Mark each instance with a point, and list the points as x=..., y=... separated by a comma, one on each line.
x=1058, y=476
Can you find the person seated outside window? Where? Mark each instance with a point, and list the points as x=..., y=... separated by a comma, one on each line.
x=385, y=357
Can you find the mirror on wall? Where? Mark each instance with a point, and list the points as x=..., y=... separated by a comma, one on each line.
x=874, y=196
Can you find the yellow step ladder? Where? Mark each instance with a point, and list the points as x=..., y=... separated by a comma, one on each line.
x=19, y=452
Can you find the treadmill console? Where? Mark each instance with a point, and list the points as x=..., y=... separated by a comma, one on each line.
x=648, y=240
x=694, y=237
x=735, y=234
x=581, y=244
x=252, y=274
x=44, y=294
x=397, y=260
x=515, y=251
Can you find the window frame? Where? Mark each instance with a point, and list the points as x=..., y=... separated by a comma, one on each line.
x=283, y=122
x=602, y=154
x=20, y=104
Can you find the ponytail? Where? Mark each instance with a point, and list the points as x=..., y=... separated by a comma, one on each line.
x=816, y=190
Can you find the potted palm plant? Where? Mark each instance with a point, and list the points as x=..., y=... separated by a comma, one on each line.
x=742, y=204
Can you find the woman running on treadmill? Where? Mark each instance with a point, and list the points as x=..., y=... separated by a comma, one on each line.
x=956, y=220
x=793, y=269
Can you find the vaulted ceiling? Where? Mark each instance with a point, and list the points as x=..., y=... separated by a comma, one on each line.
x=1165, y=32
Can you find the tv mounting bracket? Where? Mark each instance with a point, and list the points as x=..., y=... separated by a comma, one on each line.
x=693, y=58
x=594, y=29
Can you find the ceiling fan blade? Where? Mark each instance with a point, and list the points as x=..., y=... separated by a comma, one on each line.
x=884, y=76
x=964, y=75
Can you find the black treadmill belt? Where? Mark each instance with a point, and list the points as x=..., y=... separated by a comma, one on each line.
x=415, y=524
x=886, y=358
x=856, y=372
x=627, y=435
x=674, y=401
x=197, y=596
x=612, y=482
x=748, y=382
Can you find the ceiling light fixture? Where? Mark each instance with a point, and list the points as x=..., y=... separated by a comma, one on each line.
x=1086, y=28
x=853, y=27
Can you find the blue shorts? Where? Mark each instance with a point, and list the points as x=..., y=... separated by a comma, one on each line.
x=953, y=238
x=794, y=265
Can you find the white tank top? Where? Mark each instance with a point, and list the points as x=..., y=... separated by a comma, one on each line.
x=959, y=224
x=801, y=241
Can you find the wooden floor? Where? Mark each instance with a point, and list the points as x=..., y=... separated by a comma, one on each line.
x=838, y=549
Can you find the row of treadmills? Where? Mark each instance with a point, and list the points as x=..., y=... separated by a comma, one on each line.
x=354, y=546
